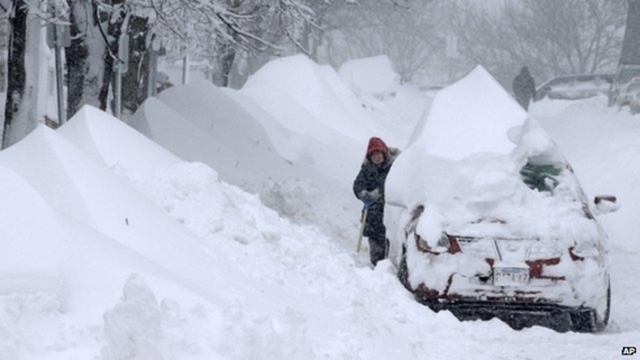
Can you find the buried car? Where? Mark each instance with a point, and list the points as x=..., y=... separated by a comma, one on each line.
x=630, y=96
x=488, y=219
x=573, y=87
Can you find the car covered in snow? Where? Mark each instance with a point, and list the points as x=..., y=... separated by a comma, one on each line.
x=623, y=76
x=573, y=87
x=488, y=219
x=630, y=96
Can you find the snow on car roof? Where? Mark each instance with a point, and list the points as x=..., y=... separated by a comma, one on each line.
x=470, y=116
x=464, y=163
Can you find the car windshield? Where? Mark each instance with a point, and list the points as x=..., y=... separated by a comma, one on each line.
x=541, y=177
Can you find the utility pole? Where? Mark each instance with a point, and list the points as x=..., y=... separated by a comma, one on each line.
x=185, y=65
x=451, y=52
x=57, y=38
x=62, y=113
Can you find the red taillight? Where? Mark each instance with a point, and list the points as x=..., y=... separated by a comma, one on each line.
x=455, y=246
x=452, y=247
x=536, y=266
x=574, y=256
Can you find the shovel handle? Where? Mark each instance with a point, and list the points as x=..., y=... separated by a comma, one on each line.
x=363, y=221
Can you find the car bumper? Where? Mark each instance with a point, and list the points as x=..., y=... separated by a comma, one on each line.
x=517, y=315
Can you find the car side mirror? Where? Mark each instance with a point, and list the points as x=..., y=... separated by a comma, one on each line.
x=605, y=204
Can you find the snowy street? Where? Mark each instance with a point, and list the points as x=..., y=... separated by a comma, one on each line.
x=219, y=226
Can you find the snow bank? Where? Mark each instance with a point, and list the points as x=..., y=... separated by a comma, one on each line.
x=30, y=230
x=109, y=140
x=358, y=74
x=88, y=194
x=316, y=89
x=378, y=88
x=238, y=141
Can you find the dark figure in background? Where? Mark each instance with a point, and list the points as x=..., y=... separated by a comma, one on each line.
x=524, y=88
x=369, y=187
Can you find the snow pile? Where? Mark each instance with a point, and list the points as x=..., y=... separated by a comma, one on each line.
x=378, y=89
x=111, y=244
x=314, y=88
x=227, y=134
x=84, y=231
x=359, y=76
x=133, y=328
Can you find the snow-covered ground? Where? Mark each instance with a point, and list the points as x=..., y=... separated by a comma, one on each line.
x=232, y=234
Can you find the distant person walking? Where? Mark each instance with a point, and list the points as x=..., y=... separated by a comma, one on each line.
x=524, y=88
x=369, y=188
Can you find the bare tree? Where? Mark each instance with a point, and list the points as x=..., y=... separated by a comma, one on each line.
x=407, y=33
x=583, y=33
x=551, y=37
x=220, y=30
x=84, y=72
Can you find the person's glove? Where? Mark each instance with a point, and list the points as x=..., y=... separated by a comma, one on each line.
x=368, y=204
x=369, y=196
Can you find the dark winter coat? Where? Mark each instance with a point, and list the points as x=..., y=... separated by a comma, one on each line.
x=524, y=88
x=369, y=187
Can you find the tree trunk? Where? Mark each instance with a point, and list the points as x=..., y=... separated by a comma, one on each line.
x=111, y=49
x=84, y=76
x=107, y=76
x=21, y=102
x=135, y=80
x=77, y=56
x=631, y=42
x=225, y=60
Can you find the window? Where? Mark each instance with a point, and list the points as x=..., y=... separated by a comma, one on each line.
x=541, y=177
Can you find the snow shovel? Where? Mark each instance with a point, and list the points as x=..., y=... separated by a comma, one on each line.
x=362, y=225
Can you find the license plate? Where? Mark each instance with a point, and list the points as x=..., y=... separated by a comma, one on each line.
x=510, y=276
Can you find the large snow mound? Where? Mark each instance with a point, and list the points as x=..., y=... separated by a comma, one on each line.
x=318, y=90
x=471, y=116
x=216, y=130
x=93, y=131
x=373, y=76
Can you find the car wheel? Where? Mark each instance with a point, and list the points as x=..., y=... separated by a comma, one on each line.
x=602, y=320
x=593, y=320
x=403, y=270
